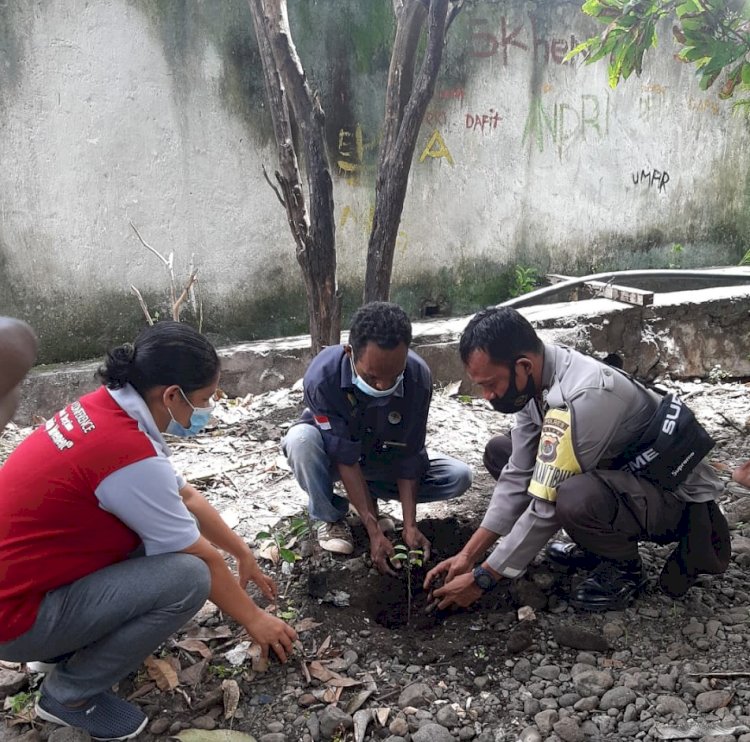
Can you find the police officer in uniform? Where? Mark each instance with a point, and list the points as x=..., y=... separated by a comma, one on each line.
x=574, y=416
x=365, y=424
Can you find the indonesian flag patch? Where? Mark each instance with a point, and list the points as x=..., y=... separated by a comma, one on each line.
x=322, y=422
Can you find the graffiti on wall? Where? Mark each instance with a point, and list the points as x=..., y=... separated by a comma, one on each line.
x=436, y=148
x=361, y=221
x=566, y=122
x=652, y=178
x=478, y=121
x=488, y=41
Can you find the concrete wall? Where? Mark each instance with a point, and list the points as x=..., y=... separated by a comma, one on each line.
x=153, y=112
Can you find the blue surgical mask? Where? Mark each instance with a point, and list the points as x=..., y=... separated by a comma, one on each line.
x=363, y=386
x=198, y=420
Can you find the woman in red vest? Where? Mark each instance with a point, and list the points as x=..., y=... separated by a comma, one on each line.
x=105, y=551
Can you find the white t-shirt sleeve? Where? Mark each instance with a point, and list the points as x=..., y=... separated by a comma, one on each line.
x=145, y=496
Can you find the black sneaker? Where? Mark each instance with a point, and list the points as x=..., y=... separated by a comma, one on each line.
x=104, y=717
x=612, y=586
x=569, y=556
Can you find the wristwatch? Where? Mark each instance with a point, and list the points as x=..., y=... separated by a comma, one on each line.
x=484, y=579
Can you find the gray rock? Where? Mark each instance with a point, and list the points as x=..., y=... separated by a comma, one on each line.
x=273, y=737
x=275, y=726
x=547, y=672
x=313, y=725
x=545, y=719
x=160, y=725
x=11, y=682
x=616, y=698
x=579, y=638
x=432, y=732
x=521, y=670
x=69, y=734
x=399, y=726
x=333, y=720
x=568, y=699
x=593, y=682
x=671, y=705
x=529, y=734
x=712, y=700
x=466, y=733
x=568, y=730
x=447, y=716
x=416, y=694
x=204, y=722
x=587, y=704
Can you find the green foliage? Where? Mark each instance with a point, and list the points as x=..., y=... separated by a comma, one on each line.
x=745, y=258
x=225, y=671
x=714, y=36
x=21, y=703
x=286, y=538
x=717, y=374
x=675, y=254
x=524, y=280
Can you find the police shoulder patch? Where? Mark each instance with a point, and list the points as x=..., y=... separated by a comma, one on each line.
x=556, y=459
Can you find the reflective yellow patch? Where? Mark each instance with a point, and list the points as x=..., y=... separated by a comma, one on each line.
x=555, y=460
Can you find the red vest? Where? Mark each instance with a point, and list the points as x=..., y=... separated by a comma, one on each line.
x=52, y=530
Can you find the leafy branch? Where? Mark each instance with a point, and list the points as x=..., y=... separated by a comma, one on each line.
x=714, y=35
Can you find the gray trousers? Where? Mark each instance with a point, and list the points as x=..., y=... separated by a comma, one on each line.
x=109, y=621
x=606, y=512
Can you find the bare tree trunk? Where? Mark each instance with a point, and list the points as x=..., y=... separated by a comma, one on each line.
x=405, y=109
x=286, y=85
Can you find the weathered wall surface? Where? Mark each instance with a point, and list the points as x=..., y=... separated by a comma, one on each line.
x=153, y=112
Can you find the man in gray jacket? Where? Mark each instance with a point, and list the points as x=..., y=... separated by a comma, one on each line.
x=574, y=417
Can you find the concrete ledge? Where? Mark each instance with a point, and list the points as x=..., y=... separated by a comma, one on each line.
x=684, y=334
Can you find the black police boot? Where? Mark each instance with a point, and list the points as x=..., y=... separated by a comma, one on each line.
x=612, y=586
x=570, y=556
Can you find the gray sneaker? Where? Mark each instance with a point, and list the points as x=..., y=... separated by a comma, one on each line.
x=335, y=537
x=104, y=717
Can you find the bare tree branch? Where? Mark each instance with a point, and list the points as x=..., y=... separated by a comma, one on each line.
x=144, y=307
x=275, y=189
x=176, y=307
x=166, y=262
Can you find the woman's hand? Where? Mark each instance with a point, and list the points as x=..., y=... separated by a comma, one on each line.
x=248, y=569
x=272, y=633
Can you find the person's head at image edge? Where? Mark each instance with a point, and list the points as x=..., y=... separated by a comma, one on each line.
x=174, y=369
x=379, y=340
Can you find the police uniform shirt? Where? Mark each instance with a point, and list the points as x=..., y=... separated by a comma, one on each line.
x=591, y=413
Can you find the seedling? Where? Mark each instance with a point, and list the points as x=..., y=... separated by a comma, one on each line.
x=286, y=539
x=410, y=558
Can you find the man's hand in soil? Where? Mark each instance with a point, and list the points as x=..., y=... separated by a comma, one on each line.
x=248, y=569
x=272, y=633
x=741, y=474
x=460, y=592
x=415, y=539
x=381, y=550
x=448, y=569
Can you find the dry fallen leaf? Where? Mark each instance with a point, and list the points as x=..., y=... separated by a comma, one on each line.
x=306, y=624
x=196, y=646
x=162, y=673
x=193, y=674
x=319, y=672
x=210, y=632
x=231, y=697
x=258, y=662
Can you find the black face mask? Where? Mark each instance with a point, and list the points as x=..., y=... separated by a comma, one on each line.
x=513, y=400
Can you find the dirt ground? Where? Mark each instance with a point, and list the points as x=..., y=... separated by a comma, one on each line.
x=208, y=677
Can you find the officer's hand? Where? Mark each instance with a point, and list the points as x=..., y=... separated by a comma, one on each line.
x=381, y=550
x=415, y=539
x=448, y=569
x=460, y=592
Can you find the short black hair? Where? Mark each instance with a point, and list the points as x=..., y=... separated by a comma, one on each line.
x=379, y=322
x=166, y=353
x=501, y=332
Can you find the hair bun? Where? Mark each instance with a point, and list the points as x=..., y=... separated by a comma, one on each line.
x=118, y=365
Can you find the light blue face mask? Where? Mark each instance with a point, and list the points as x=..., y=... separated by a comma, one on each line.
x=198, y=420
x=363, y=386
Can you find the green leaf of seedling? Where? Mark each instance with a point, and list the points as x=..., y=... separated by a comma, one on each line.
x=262, y=536
x=399, y=557
x=288, y=555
